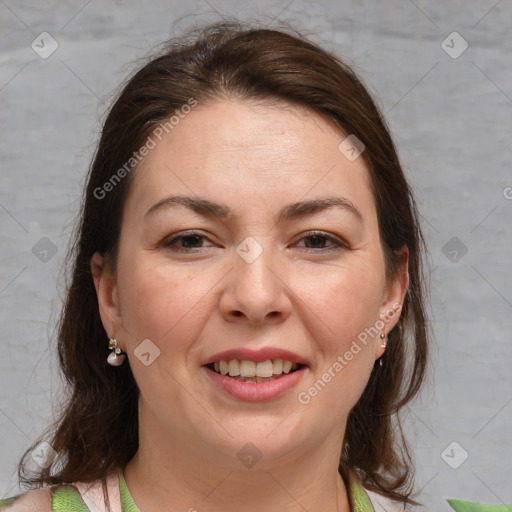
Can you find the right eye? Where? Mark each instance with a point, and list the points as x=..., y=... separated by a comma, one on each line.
x=190, y=241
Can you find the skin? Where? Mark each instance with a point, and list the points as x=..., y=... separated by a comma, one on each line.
x=303, y=294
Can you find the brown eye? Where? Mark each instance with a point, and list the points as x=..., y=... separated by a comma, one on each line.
x=185, y=242
x=190, y=240
x=317, y=241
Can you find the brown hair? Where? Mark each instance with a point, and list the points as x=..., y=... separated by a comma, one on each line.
x=98, y=426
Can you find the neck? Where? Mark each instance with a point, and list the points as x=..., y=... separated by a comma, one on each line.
x=186, y=475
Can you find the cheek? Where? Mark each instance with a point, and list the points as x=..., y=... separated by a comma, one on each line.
x=343, y=309
x=161, y=305
x=344, y=301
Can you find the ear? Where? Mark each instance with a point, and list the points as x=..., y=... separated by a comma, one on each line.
x=394, y=295
x=108, y=299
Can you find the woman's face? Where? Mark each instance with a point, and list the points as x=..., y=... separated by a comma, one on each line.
x=249, y=236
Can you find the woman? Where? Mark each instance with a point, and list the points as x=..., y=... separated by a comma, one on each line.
x=246, y=313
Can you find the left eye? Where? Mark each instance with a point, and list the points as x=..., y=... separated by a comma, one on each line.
x=318, y=241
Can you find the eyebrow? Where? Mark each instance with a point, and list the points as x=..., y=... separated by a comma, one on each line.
x=210, y=209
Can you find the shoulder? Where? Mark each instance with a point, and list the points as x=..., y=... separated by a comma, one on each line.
x=34, y=500
x=61, y=498
x=382, y=504
x=366, y=500
x=73, y=497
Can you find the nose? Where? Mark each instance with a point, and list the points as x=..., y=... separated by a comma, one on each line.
x=256, y=291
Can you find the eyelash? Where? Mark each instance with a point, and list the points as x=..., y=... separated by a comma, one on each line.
x=337, y=245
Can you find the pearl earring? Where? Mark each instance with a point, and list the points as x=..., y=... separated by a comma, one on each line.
x=115, y=358
x=384, y=338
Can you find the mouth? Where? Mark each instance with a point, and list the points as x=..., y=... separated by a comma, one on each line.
x=255, y=371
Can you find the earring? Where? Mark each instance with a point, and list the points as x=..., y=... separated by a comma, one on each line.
x=384, y=338
x=115, y=358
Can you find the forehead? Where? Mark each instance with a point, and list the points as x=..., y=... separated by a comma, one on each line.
x=241, y=150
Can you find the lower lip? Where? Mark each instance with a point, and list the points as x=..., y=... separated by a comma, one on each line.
x=256, y=391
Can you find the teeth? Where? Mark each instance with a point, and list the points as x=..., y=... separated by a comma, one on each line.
x=234, y=368
x=224, y=368
x=247, y=368
x=287, y=366
x=263, y=369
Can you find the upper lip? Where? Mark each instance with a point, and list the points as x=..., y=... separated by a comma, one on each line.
x=255, y=355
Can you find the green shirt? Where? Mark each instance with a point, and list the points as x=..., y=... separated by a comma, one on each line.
x=67, y=498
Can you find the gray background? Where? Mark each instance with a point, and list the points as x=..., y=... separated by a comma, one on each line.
x=451, y=119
